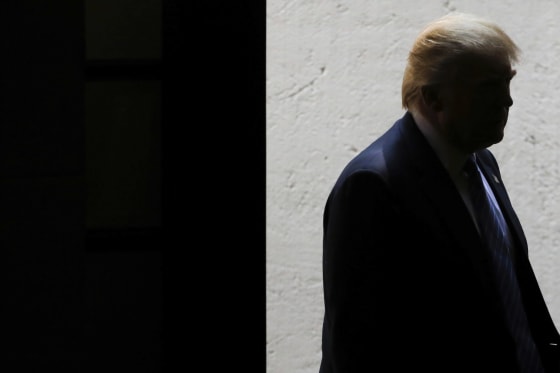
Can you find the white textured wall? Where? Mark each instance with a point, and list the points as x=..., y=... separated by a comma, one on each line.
x=334, y=72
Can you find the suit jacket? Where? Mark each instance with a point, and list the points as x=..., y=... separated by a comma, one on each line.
x=406, y=278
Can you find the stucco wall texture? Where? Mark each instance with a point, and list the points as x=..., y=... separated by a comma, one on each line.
x=334, y=72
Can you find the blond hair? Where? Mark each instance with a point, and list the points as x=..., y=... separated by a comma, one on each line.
x=447, y=41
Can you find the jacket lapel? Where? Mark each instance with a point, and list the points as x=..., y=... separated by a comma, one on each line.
x=499, y=190
x=541, y=322
x=448, y=209
x=437, y=186
x=446, y=203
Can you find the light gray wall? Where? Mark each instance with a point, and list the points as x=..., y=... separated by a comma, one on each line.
x=334, y=72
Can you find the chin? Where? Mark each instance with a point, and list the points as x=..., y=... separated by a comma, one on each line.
x=488, y=142
x=495, y=140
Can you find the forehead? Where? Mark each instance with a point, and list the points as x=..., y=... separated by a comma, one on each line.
x=483, y=67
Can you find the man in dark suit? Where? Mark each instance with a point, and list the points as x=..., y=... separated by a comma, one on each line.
x=419, y=274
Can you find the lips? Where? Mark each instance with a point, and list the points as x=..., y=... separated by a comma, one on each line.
x=499, y=121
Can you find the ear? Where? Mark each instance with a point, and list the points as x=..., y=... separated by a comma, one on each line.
x=432, y=97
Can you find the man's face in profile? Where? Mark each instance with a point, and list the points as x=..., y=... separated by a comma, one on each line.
x=475, y=104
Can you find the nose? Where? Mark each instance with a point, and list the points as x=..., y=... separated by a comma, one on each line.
x=508, y=101
x=504, y=97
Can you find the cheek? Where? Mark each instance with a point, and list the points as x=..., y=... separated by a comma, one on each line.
x=465, y=108
x=481, y=106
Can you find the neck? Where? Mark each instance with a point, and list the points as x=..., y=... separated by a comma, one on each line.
x=450, y=156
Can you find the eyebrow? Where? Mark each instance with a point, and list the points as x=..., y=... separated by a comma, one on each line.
x=499, y=75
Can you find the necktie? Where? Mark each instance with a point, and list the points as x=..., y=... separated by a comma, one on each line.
x=492, y=229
